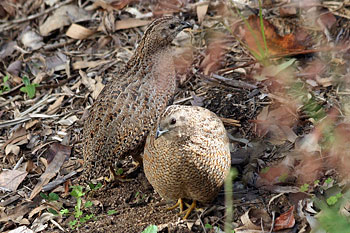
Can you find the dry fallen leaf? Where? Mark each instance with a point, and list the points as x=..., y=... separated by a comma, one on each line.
x=21, y=229
x=130, y=23
x=202, y=9
x=56, y=154
x=78, y=32
x=11, y=179
x=285, y=220
x=32, y=40
x=53, y=108
x=63, y=16
x=254, y=219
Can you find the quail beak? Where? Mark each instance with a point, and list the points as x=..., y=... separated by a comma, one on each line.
x=185, y=25
x=159, y=132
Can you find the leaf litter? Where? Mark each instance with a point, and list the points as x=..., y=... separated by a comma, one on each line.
x=283, y=96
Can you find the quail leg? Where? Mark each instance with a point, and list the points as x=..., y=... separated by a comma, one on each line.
x=189, y=210
x=179, y=203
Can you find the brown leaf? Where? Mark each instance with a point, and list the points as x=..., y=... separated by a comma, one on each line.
x=32, y=40
x=56, y=154
x=285, y=220
x=63, y=16
x=253, y=219
x=202, y=9
x=55, y=106
x=11, y=179
x=130, y=23
x=15, y=68
x=78, y=32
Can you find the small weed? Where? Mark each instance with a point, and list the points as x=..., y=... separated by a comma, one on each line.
x=80, y=213
x=28, y=88
x=111, y=212
x=329, y=180
x=208, y=226
x=50, y=197
x=4, y=86
x=304, y=188
x=151, y=229
x=119, y=171
x=332, y=200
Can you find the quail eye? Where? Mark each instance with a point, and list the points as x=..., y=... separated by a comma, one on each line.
x=172, y=26
x=172, y=121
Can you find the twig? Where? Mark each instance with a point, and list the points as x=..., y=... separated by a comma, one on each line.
x=55, y=183
x=231, y=82
x=8, y=25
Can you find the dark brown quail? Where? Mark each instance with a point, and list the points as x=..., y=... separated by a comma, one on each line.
x=187, y=155
x=130, y=104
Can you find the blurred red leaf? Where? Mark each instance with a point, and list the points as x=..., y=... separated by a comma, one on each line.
x=285, y=220
x=276, y=44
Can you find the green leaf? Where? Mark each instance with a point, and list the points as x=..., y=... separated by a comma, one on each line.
x=89, y=216
x=72, y=223
x=52, y=211
x=77, y=191
x=26, y=80
x=95, y=187
x=64, y=211
x=88, y=204
x=208, y=226
x=44, y=196
x=151, y=229
x=119, y=171
x=329, y=180
x=5, y=79
x=304, y=188
x=111, y=212
x=53, y=196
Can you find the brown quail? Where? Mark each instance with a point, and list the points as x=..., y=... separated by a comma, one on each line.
x=187, y=155
x=129, y=105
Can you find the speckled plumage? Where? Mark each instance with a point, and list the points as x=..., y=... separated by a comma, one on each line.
x=130, y=104
x=190, y=158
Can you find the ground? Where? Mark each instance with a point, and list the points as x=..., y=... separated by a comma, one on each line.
x=288, y=90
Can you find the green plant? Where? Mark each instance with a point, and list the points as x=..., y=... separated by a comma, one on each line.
x=4, y=86
x=332, y=200
x=111, y=212
x=80, y=213
x=28, y=88
x=304, y=188
x=151, y=229
x=50, y=197
x=80, y=217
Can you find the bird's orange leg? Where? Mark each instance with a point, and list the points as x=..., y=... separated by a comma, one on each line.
x=189, y=210
x=180, y=203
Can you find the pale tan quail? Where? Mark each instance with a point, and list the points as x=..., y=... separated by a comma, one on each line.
x=130, y=104
x=187, y=155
